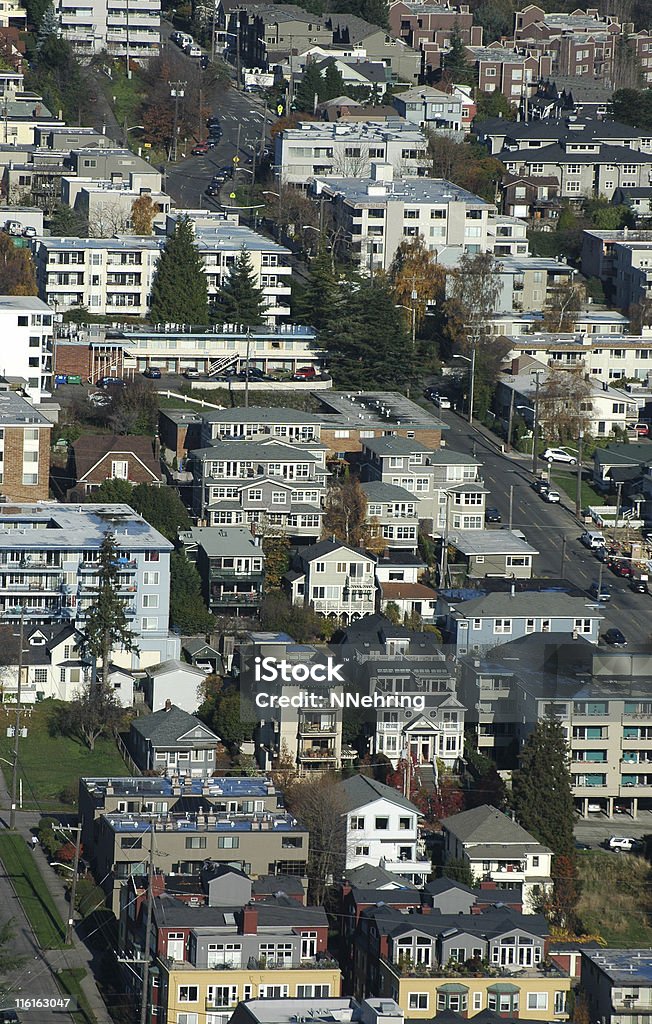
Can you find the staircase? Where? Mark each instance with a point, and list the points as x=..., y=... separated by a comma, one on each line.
x=426, y=777
x=220, y=365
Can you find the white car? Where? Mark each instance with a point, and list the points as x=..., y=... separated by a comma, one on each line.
x=554, y=497
x=622, y=843
x=442, y=402
x=559, y=455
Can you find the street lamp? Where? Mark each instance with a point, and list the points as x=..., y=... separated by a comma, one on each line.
x=535, y=427
x=578, y=492
x=471, y=362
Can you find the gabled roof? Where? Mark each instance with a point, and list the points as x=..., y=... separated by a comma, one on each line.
x=486, y=824
x=326, y=547
x=173, y=665
x=368, y=876
x=90, y=449
x=360, y=790
x=172, y=725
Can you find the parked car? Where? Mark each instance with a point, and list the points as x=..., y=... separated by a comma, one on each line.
x=619, y=843
x=201, y=149
x=111, y=382
x=305, y=373
x=430, y=392
x=601, y=592
x=601, y=553
x=98, y=398
x=212, y=189
x=540, y=485
x=210, y=121
x=492, y=515
x=29, y=232
x=442, y=401
x=204, y=61
x=621, y=568
x=642, y=429
x=639, y=586
x=152, y=372
x=191, y=373
x=554, y=497
x=560, y=455
x=615, y=637
x=592, y=539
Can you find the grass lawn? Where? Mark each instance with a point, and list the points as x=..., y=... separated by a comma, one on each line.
x=51, y=764
x=70, y=982
x=567, y=482
x=616, y=902
x=126, y=95
x=21, y=867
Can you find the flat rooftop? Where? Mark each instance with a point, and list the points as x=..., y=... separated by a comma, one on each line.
x=264, y=821
x=232, y=786
x=366, y=130
x=433, y=191
x=54, y=526
x=374, y=408
x=625, y=966
x=223, y=540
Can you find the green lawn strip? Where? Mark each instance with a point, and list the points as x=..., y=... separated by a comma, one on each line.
x=70, y=981
x=35, y=899
x=615, y=898
x=50, y=765
x=567, y=482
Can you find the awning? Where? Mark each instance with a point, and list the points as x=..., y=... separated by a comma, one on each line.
x=503, y=988
x=453, y=988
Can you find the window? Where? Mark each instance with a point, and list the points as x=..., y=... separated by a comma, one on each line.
x=150, y=600
x=278, y=497
x=320, y=566
x=560, y=1002
x=195, y=842
x=502, y=626
x=357, y=823
x=273, y=991
x=537, y=1000
x=151, y=579
x=151, y=556
x=418, y=1001
x=188, y=993
x=477, y=1000
x=404, y=823
x=362, y=851
x=382, y=824
x=148, y=623
x=228, y=842
x=120, y=469
x=311, y=991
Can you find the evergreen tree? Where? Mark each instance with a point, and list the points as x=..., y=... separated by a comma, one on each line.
x=319, y=303
x=49, y=27
x=162, y=508
x=311, y=85
x=188, y=613
x=541, y=790
x=240, y=300
x=106, y=625
x=333, y=82
x=456, y=65
x=179, y=292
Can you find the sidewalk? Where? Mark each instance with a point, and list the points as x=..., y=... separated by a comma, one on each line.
x=78, y=955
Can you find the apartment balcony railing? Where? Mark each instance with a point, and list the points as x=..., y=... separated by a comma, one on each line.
x=236, y=599
x=315, y=754
x=310, y=728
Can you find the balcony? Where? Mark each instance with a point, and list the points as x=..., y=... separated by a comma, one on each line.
x=314, y=728
x=226, y=599
x=235, y=574
x=317, y=754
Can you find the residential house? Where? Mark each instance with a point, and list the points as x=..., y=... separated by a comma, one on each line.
x=173, y=681
x=407, y=667
x=535, y=199
x=403, y=62
x=263, y=483
x=569, y=95
x=234, y=820
x=622, y=464
x=347, y=420
x=498, y=849
x=405, y=463
x=231, y=564
x=173, y=742
x=488, y=554
x=393, y=511
x=365, y=76
x=508, y=236
x=381, y=210
x=617, y=983
x=382, y=829
x=415, y=956
x=179, y=431
x=94, y=458
x=24, y=448
x=441, y=112
x=508, y=69
x=639, y=200
x=49, y=560
x=335, y=579
x=27, y=327
x=316, y=149
x=473, y=624
x=133, y=31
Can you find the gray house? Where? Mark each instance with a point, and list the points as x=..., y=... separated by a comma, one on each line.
x=173, y=742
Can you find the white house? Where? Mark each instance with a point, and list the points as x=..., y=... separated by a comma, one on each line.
x=497, y=849
x=382, y=829
x=26, y=330
x=336, y=580
x=176, y=682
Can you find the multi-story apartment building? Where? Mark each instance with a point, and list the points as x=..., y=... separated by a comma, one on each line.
x=428, y=27
x=383, y=658
x=579, y=43
x=336, y=580
x=380, y=212
x=403, y=463
x=258, y=423
x=115, y=274
x=106, y=206
x=24, y=449
x=231, y=564
x=238, y=821
x=315, y=149
x=512, y=71
x=13, y=15
x=125, y=28
x=348, y=420
x=48, y=571
x=266, y=483
x=617, y=984
x=27, y=327
x=622, y=260
x=393, y=514
x=610, y=356
x=382, y=828
x=508, y=236
x=408, y=955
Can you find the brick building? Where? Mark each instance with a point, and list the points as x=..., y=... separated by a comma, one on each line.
x=94, y=458
x=24, y=449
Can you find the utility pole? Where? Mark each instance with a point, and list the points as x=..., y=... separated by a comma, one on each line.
x=199, y=114
x=619, y=491
x=578, y=491
x=510, y=421
x=563, y=557
x=14, y=771
x=247, y=368
x=237, y=53
x=511, y=504
x=148, y=925
x=177, y=90
x=472, y=386
x=213, y=30
x=73, y=887
x=535, y=425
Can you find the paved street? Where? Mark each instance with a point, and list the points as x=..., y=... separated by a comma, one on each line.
x=546, y=527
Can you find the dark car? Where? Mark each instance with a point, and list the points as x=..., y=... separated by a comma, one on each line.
x=601, y=553
x=431, y=392
x=615, y=638
x=111, y=382
x=152, y=372
x=540, y=485
x=210, y=121
x=601, y=592
x=492, y=515
x=227, y=170
x=213, y=190
x=204, y=61
x=639, y=587
x=215, y=129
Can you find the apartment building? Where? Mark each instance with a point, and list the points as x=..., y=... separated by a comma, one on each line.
x=509, y=70
x=416, y=957
x=530, y=283
x=256, y=34
x=336, y=580
x=13, y=15
x=508, y=236
x=27, y=328
x=24, y=449
x=579, y=43
x=498, y=850
x=382, y=211
x=404, y=63
x=348, y=420
x=125, y=28
x=384, y=658
x=382, y=828
x=48, y=571
x=428, y=26
x=231, y=564
x=617, y=983
x=257, y=423
x=611, y=356
x=106, y=206
x=314, y=149
x=235, y=820
x=393, y=512
x=622, y=260
x=109, y=275
x=262, y=483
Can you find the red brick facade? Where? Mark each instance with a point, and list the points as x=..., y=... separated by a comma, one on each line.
x=12, y=486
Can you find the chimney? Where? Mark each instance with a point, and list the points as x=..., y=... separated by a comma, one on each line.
x=249, y=920
x=426, y=908
x=158, y=884
x=168, y=705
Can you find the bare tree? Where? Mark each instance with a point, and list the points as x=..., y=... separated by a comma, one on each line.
x=562, y=308
x=565, y=405
x=320, y=806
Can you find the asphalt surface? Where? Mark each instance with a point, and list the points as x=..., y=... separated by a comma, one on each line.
x=552, y=529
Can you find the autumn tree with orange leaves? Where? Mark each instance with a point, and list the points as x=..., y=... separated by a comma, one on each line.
x=17, y=274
